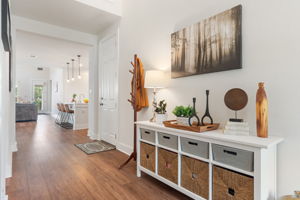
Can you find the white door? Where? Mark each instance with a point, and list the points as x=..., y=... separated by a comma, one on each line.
x=109, y=88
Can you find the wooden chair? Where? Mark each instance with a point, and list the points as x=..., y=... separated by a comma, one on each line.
x=63, y=115
x=69, y=116
x=59, y=114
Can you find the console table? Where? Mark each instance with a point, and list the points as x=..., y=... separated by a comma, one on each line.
x=208, y=165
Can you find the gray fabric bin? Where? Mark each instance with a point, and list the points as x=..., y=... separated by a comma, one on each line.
x=148, y=135
x=195, y=147
x=238, y=158
x=168, y=140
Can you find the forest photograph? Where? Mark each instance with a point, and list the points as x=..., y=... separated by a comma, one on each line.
x=212, y=45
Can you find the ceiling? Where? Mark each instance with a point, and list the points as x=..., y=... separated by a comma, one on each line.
x=48, y=52
x=66, y=13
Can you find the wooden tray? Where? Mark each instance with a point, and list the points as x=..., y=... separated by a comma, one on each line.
x=194, y=128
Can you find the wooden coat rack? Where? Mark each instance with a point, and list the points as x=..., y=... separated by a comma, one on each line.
x=134, y=86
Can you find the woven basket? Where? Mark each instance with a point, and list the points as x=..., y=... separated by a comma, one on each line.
x=147, y=156
x=229, y=185
x=168, y=165
x=195, y=176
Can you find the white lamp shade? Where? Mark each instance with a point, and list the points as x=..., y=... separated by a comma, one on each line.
x=155, y=79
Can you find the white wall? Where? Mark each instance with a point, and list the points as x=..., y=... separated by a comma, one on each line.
x=24, y=78
x=57, y=93
x=271, y=47
x=78, y=86
x=5, y=153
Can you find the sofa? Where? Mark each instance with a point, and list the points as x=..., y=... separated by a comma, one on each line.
x=26, y=112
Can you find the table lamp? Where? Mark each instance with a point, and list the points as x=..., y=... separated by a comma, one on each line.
x=155, y=79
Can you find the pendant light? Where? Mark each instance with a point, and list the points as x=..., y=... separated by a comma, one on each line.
x=68, y=80
x=79, y=65
x=72, y=69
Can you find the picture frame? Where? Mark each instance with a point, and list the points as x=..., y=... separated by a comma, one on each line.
x=212, y=45
x=6, y=35
x=6, y=25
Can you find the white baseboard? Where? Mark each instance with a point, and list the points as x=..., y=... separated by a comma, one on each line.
x=80, y=126
x=8, y=170
x=14, y=147
x=124, y=148
x=92, y=135
x=3, y=197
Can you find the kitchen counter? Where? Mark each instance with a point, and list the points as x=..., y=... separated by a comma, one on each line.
x=80, y=115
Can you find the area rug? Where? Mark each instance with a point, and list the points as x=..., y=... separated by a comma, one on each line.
x=95, y=147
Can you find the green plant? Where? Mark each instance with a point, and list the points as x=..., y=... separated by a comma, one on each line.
x=161, y=107
x=74, y=96
x=181, y=111
x=38, y=96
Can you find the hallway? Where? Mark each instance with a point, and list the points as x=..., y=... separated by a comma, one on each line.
x=49, y=166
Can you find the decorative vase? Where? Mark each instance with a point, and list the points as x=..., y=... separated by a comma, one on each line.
x=194, y=115
x=160, y=118
x=261, y=112
x=182, y=121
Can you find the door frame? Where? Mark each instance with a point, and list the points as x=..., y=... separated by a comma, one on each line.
x=33, y=82
x=112, y=33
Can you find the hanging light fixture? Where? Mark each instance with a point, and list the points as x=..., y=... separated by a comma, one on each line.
x=72, y=69
x=79, y=65
x=68, y=80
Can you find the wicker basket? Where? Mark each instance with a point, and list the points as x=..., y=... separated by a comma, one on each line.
x=147, y=156
x=229, y=185
x=195, y=176
x=168, y=165
x=292, y=197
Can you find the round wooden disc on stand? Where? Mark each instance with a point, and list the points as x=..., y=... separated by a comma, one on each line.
x=236, y=99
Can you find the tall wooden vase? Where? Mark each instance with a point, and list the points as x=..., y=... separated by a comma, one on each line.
x=261, y=111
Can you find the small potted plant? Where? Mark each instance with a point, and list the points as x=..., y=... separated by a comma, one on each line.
x=74, y=98
x=161, y=112
x=183, y=113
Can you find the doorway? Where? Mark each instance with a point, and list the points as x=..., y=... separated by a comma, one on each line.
x=40, y=95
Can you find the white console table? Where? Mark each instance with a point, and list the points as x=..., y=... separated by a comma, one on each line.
x=166, y=153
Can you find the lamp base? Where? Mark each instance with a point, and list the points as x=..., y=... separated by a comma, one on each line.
x=153, y=119
x=154, y=104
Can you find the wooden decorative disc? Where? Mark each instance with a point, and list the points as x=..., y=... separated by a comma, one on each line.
x=236, y=99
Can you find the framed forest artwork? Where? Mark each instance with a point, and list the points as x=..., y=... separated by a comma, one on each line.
x=212, y=45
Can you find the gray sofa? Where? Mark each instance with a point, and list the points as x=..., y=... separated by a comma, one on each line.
x=26, y=112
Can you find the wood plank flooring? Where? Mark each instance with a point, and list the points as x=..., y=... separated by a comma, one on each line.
x=48, y=166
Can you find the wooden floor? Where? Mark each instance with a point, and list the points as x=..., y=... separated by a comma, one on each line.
x=49, y=166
